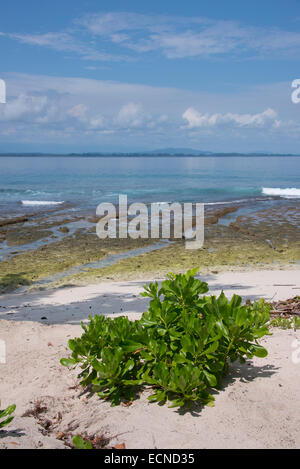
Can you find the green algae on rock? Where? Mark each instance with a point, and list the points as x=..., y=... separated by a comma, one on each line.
x=264, y=238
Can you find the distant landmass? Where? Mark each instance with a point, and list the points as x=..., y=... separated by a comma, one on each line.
x=179, y=151
x=160, y=152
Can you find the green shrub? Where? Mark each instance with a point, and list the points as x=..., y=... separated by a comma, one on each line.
x=292, y=322
x=7, y=413
x=180, y=347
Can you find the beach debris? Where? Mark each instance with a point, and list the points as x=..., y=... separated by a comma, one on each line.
x=36, y=411
x=46, y=424
x=120, y=446
x=85, y=441
x=126, y=404
x=286, y=314
x=287, y=308
x=52, y=426
x=38, y=408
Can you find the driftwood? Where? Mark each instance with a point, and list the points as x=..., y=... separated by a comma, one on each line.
x=287, y=308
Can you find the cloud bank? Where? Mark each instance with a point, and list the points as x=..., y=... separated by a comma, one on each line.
x=93, y=112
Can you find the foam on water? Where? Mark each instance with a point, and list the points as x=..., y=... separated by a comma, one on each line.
x=288, y=193
x=41, y=202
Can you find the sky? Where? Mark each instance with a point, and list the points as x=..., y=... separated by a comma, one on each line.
x=84, y=76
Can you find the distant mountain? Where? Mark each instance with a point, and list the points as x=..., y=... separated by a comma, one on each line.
x=178, y=151
x=160, y=152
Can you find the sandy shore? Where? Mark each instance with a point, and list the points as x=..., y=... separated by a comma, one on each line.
x=257, y=408
x=74, y=304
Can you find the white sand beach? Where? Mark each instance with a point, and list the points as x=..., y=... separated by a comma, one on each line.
x=257, y=408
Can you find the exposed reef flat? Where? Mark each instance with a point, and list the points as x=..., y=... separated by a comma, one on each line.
x=46, y=244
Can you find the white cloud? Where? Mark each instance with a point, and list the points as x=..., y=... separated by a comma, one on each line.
x=69, y=106
x=66, y=42
x=107, y=24
x=79, y=111
x=69, y=110
x=179, y=37
x=196, y=120
x=97, y=122
x=106, y=37
x=23, y=105
x=58, y=41
x=130, y=115
x=189, y=44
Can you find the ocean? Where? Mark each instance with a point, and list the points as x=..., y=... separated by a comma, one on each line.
x=81, y=183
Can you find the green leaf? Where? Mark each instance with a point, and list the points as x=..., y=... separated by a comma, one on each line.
x=6, y=422
x=4, y=413
x=9, y=410
x=79, y=443
x=258, y=350
x=212, y=348
x=210, y=403
x=192, y=272
x=177, y=403
x=211, y=379
x=131, y=346
x=68, y=361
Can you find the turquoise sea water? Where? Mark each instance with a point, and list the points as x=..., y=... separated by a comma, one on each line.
x=33, y=183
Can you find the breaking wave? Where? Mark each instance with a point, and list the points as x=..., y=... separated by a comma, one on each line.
x=40, y=202
x=289, y=193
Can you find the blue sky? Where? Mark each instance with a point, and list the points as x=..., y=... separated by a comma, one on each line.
x=122, y=76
